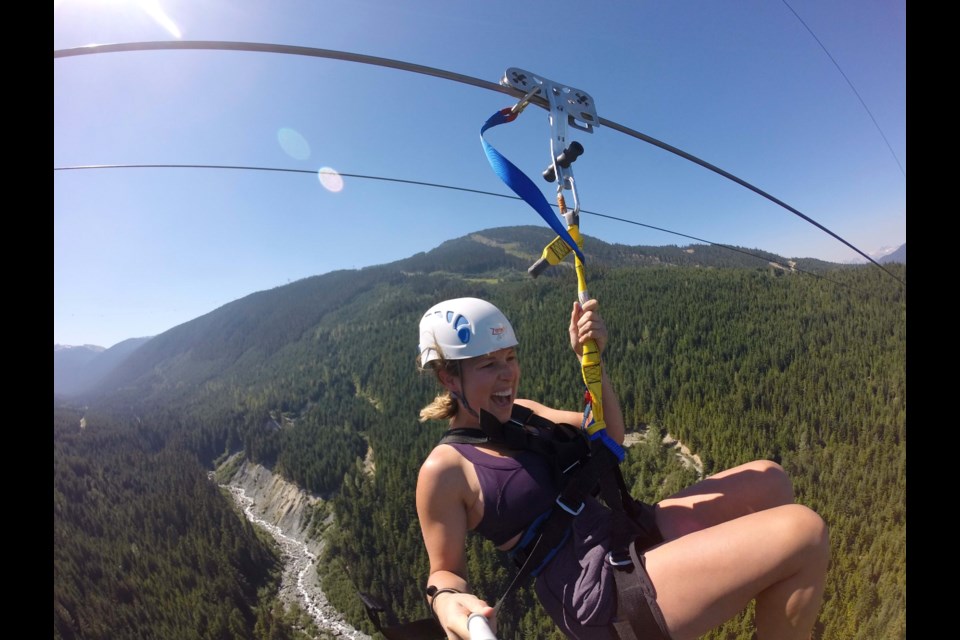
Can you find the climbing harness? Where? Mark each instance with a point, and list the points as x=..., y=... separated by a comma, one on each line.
x=583, y=466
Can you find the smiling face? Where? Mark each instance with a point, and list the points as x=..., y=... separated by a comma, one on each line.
x=487, y=382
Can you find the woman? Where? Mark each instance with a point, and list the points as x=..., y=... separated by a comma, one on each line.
x=730, y=539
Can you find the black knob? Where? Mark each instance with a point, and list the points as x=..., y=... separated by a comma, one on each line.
x=565, y=159
x=570, y=154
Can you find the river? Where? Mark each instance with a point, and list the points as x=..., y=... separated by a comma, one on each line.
x=300, y=581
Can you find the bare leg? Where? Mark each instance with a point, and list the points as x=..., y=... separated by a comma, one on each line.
x=730, y=494
x=777, y=556
x=735, y=537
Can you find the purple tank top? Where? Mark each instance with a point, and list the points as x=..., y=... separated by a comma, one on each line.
x=515, y=491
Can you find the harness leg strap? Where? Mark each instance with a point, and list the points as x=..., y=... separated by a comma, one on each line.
x=635, y=619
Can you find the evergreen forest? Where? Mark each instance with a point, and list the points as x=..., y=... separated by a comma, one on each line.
x=737, y=360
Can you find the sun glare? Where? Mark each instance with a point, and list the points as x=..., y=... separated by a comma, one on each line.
x=155, y=11
x=151, y=7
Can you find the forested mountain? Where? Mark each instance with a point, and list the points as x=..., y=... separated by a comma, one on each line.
x=210, y=346
x=737, y=357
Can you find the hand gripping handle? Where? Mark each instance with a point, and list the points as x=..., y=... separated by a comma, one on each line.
x=479, y=628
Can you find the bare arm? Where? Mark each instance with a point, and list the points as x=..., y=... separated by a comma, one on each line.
x=443, y=494
x=585, y=324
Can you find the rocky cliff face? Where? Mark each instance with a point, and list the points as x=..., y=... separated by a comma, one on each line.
x=277, y=502
x=284, y=510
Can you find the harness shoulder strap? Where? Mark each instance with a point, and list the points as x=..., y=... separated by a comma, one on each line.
x=511, y=433
x=464, y=435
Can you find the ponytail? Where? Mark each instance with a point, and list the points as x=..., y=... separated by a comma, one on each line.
x=444, y=406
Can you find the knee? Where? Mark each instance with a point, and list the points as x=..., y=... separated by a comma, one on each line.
x=776, y=484
x=810, y=533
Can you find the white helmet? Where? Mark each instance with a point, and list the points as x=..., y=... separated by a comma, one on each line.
x=463, y=328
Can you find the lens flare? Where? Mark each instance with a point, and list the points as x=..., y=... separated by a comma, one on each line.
x=293, y=144
x=330, y=179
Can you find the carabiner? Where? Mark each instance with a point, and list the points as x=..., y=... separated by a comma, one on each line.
x=518, y=108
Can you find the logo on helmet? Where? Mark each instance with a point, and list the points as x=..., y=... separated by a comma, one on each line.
x=462, y=326
x=498, y=332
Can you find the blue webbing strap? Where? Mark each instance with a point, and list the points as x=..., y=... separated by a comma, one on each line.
x=602, y=435
x=610, y=443
x=520, y=183
x=524, y=187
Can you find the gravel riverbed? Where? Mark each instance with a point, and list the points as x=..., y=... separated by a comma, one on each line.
x=300, y=582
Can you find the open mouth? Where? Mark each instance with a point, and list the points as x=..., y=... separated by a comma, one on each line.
x=502, y=398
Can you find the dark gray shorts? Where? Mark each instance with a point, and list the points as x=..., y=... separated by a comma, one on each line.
x=580, y=590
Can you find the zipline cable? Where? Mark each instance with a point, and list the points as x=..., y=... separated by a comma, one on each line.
x=437, y=185
x=852, y=88
x=217, y=45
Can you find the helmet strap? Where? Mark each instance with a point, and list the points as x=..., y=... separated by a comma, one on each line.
x=463, y=397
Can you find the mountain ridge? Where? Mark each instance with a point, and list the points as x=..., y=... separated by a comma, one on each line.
x=262, y=322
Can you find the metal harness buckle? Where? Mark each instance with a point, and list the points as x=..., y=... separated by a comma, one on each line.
x=563, y=506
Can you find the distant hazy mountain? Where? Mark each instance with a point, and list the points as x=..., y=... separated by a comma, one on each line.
x=68, y=364
x=884, y=255
x=77, y=369
x=897, y=255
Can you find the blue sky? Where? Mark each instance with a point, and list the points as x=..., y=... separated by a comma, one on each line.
x=742, y=85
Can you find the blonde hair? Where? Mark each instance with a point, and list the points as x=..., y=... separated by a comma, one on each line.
x=444, y=406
